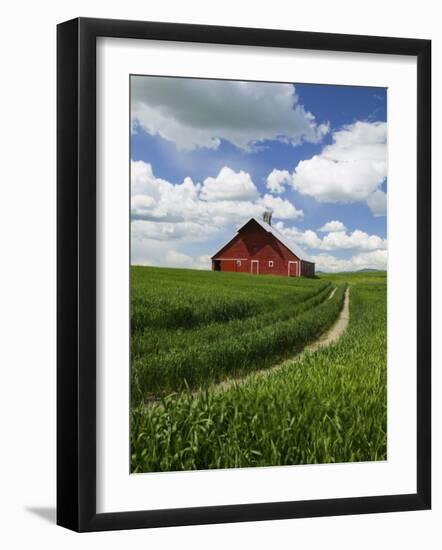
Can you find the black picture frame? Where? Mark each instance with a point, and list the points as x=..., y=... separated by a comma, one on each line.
x=77, y=287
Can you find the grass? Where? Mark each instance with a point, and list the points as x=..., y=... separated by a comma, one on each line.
x=245, y=328
x=182, y=298
x=327, y=406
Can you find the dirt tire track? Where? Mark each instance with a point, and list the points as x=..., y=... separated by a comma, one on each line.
x=331, y=336
x=336, y=330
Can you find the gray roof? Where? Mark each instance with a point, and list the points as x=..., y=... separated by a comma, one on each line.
x=288, y=243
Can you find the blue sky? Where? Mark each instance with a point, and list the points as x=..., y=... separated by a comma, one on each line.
x=208, y=154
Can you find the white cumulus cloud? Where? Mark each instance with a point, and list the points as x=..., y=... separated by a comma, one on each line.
x=377, y=259
x=229, y=185
x=369, y=250
x=331, y=227
x=357, y=240
x=277, y=179
x=166, y=216
x=178, y=259
x=281, y=208
x=336, y=240
x=170, y=231
x=307, y=239
x=165, y=255
x=200, y=113
x=377, y=202
x=351, y=169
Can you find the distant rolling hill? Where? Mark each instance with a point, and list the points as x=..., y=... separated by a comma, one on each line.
x=365, y=270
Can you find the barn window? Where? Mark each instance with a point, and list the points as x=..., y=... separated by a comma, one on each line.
x=270, y=263
x=238, y=263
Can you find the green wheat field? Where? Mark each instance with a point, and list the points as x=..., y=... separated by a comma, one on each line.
x=204, y=390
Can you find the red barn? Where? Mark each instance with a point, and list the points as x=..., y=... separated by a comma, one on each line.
x=260, y=249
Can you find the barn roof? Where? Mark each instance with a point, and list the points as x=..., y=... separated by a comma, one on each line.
x=288, y=243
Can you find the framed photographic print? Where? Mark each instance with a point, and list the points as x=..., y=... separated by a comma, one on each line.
x=243, y=274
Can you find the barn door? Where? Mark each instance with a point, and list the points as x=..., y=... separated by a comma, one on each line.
x=255, y=267
x=293, y=269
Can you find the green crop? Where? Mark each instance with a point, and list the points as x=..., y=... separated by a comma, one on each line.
x=326, y=406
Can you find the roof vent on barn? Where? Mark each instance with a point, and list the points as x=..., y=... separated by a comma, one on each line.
x=267, y=216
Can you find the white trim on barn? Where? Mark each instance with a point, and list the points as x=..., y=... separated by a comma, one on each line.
x=251, y=266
